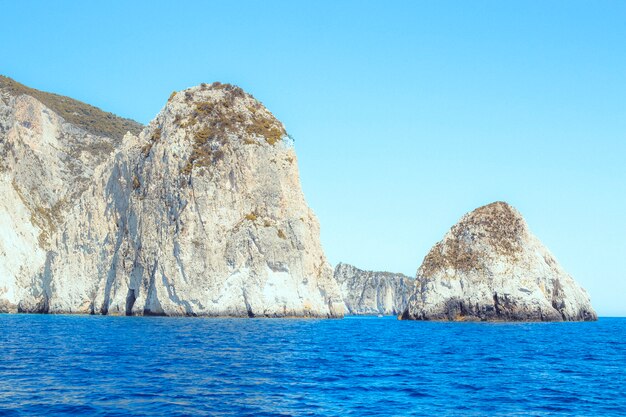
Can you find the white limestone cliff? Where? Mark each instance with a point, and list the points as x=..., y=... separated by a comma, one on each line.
x=489, y=266
x=202, y=213
x=372, y=292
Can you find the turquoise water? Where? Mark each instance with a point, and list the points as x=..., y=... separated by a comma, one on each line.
x=88, y=365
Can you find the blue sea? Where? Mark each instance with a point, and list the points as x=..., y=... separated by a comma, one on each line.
x=117, y=366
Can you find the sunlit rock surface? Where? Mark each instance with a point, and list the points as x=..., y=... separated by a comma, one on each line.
x=201, y=213
x=489, y=266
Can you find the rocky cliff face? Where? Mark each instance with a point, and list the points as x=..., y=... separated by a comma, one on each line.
x=370, y=292
x=489, y=266
x=199, y=214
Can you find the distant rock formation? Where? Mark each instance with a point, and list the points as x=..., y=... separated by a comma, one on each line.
x=373, y=293
x=201, y=213
x=489, y=266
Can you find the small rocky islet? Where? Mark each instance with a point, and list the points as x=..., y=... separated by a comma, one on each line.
x=201, y=213
x=490, y=267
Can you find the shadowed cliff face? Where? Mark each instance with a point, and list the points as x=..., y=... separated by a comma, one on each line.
x=200, y=214
x=372, y=292
x=490, y=267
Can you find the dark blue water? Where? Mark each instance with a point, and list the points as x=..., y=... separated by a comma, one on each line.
x=69, y=365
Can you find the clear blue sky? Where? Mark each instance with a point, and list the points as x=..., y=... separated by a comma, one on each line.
x=406, y=114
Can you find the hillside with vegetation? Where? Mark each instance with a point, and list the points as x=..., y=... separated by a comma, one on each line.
x=83, y=115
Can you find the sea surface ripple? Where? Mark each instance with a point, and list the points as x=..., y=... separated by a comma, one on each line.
x=110, y=366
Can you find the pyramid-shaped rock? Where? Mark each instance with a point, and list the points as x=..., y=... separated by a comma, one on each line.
x=489, y=266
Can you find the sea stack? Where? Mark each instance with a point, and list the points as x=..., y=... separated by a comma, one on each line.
x=372, y=292
x=490, y=267
x=199, y=213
